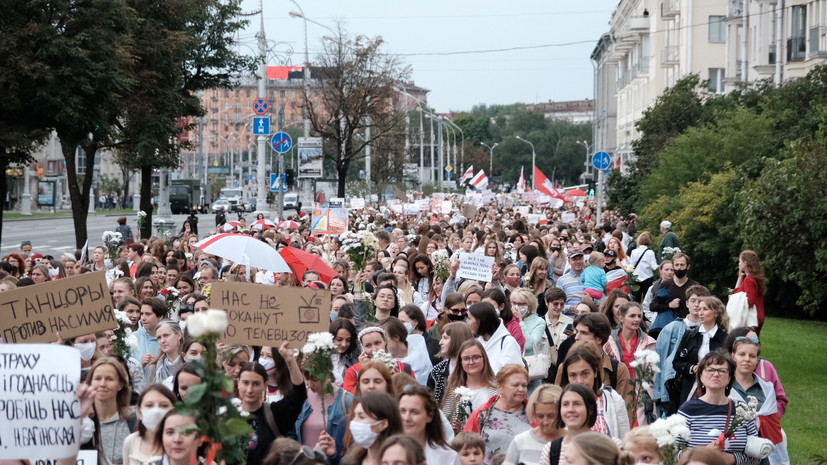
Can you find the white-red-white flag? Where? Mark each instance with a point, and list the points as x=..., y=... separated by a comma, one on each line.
x=521, y=182
x=480, y=180
x=469, y=173
x=545, y=186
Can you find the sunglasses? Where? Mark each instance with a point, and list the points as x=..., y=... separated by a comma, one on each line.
x=754, y=340
x=309, y=454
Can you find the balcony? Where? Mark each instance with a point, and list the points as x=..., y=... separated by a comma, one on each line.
x=818, y=41
x=638, y=23
x=670, y=55
x=670, y=8
x=796, y=49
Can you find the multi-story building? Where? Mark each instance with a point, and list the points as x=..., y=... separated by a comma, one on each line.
x=573, y=111
x=651, y=45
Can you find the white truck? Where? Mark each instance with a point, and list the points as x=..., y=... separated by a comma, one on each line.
x=237, y=198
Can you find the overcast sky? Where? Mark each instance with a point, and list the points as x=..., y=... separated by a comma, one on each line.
x=543, y=70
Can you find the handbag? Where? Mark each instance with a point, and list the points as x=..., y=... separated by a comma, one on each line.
x=539, y=363
x=740, y=313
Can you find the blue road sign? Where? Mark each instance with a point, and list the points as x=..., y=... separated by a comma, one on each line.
x=261, y=126
x=602, y=161
x=275, y=186
x=261, y=106
x=281, y=142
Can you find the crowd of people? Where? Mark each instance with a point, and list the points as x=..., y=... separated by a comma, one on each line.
x=535, y=365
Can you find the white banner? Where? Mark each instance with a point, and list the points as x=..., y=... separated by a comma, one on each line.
x=475, y=266
x=567, y=217
x=357, y=203
x=39, y=408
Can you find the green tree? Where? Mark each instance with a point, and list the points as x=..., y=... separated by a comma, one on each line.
x=358, y=80
x=783, y=217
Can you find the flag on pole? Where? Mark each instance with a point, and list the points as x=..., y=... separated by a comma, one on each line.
x=544, y=185
x=480, y=180
x=469, y=173
x=521, y=182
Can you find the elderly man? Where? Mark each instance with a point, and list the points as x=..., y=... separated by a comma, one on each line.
x=570, y=282
x=670, y=239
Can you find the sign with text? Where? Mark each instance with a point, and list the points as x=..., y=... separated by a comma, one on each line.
x=568, y=217
x=39, y=409
x=424, y=204
x=411, y=208
x=357, y=203
x=522, y=210
x=71, y=306
x=475, y=266
x=270, y=315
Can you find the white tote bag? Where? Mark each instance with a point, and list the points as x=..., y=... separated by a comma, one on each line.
x=740, y=312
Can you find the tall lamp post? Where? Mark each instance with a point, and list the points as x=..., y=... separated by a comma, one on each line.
x=491, y=160
x=588, y=156
x=533, y=162
x=462, y=147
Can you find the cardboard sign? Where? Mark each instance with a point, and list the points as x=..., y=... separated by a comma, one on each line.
x=475, y=266
x=357, y=203
x=400, y=195
x=567, y=217
x=269, y=315
x=39, y=409
x=71, y=306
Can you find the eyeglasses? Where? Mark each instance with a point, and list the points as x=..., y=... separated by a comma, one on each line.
x=717, y=371
x=754, y=340
x=309, y=454
x=471, y=358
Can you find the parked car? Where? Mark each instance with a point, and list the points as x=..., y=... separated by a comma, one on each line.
x=221, y=204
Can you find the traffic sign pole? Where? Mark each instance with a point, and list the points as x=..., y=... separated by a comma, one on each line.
x=602, y=161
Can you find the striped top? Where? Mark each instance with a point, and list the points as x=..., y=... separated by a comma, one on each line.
x=573, y=287
x=702, y=417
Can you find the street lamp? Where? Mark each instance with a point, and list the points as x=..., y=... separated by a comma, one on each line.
x=491, y=151
x=462, y=148
x=533, y=162
x=588, y=153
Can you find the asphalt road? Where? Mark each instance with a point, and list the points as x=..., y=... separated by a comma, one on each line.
x=57, y=235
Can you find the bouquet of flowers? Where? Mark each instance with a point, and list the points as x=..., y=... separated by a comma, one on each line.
x=671, y=434
x=462, y=395
x=112, y=240
x=217, y=420
x=141, y=219
x=123, y=340
x=646, y=367
x=669, y=252
x=411, y=238
x=383, y=357
x=743, y=413
x=170, y=295
x=442, y=264
x=317, y=353
x=359, y=247
x=631, y=280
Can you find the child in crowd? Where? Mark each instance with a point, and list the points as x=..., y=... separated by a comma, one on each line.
x=594, y=277
x=470, y=446
x=640, y=443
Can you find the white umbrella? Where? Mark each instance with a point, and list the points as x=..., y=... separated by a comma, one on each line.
x=245, y=250
x=263, y=224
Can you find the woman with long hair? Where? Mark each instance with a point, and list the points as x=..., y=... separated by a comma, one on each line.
x=278, y=376
x=454, y=310
x=140, y=448
x=171, y=342
x=17, y=262
x=473, y=372
x=617, y=246
x=751, y=280
x=373, y=418
x=345, y=338
x=454, y=335
x=577, y=414
x=611, y=306
x=113, y=416
x=499, y=344
x=538, y=283
x=180, y=441
x=697, y=342
x=502, y=305
x=596, y=449
x=421, y=421
x=422, y=273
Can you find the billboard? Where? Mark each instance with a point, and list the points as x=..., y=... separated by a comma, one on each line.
x=310, y=157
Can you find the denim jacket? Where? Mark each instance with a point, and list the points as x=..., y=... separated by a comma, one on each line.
x=336, y=413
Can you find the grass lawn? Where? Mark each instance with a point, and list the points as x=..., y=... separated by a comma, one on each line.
x=798, y=349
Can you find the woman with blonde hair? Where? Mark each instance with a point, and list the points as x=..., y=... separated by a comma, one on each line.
x=171, y=341
x=473, y=372
x=537, y=281
x=524, y=308
x=113, y=416
x=542, y=408
x=595, y=449
x=454, y=335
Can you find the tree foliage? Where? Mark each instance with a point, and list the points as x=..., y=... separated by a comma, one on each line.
x=358, y=80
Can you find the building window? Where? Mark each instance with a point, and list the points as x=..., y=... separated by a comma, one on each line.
x=281, y=93
x=716, y=80
x=80, y=163
x=717, y=29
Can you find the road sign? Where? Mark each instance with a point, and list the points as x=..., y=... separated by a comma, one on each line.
x=602, y=161
x=261, y=106
x=448, y=175
x=275, y=185
x=281, y=142
x=261, y=126
x=448, y=168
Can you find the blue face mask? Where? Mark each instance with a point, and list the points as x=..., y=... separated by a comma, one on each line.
x=334, y=315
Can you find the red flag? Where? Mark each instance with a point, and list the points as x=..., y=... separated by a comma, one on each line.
x=469, y=173
x=545, y=186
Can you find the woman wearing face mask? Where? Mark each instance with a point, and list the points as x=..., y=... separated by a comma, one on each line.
x=140, y=448
x=114, y=419
x=454, y=311
x=408, y=348
x=87, y=345
x=347, y=348
x=666, y=272
x=524, y=306
x=278, y=376
x=502, y=305
x=372, y=340
x=421, y=421
x=454, y=335
x=171, y=342
x=542, y=408
x=511, y=277
x=373, y=418
x=179, y=447
x=414, y=320
x=577, y=414
x=557, y=259
x=270, y=420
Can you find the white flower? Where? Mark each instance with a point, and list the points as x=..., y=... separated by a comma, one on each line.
x=121, y=317
x=142, y=214
x=221, y=410
x=117, y=272
x=196, y=276
x=132, y=342
x=188, y=255
x=634, y=363
x=127, y=331
x=216, y=320
x=386, y=358
x=630, y=269
x=308, y=349
x=197, y=324
x=463, y=393
x=321, y=341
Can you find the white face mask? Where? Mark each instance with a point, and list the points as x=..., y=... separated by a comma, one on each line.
x=523, y=309
x=150, y=417
x=268, y=364
x=363, y=433
x=87, y=350
x=409, y=327
x=586, y=257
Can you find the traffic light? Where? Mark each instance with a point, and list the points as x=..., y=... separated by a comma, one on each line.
x=591, y=190
x=291, y=173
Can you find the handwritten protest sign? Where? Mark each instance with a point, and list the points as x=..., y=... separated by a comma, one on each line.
x=87, y=457
x=411, y=208
x=71, y=306
x=475, y=266
x=271, y=315
x=357, y=203
x=39, y=409
x=534, y=218
x=567, y=217
x=522, y=210
x=424, y=204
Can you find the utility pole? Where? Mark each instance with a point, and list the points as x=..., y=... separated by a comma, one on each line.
x=441, y=152
x=261, y=194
